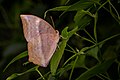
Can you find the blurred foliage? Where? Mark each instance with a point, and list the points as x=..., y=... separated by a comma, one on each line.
x=88, y=50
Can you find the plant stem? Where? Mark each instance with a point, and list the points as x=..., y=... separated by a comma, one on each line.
x=73, y=68
x=39, y=73
x=95, y=23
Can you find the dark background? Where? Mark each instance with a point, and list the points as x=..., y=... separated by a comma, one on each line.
x=12, y=41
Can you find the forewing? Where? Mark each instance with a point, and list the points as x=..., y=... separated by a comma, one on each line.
x=30, y=26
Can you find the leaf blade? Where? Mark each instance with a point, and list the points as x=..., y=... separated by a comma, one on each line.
x=24, y=54
x=59, y=52
x=95, y=70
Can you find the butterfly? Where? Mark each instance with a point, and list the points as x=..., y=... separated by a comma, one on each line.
x=42, y=39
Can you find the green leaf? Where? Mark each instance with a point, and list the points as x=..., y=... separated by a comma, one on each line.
x=12, y=76
x=65, y=33
x=101, y=42
x=61, y=71
x=22, y=55
x=80, y=5
x=51, y=77
x=59, y=52
x=81, y=19
x=70, y=33
x=81, y=61
x=19, y=74
x=109, y=53
x=93, y=52
x=61, y=8
x=100, y=68
x=57, y=56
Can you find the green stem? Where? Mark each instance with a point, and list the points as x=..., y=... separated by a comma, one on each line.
x=95, y=23
x=70, y=51
x=102, y=5
x=89, y=35
x=103, y=41
x=40, y=73
x=107, y=75
x=69, y=59
x=73, y=68
x=114, y=9
x=112, y=14
x=85, y=38
x=100, y=77
x=71, y=48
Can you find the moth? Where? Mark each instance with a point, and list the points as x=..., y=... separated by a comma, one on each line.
x=42, y=39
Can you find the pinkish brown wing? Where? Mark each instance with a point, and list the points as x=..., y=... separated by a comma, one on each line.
x=41, y=37
x=49, y=45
